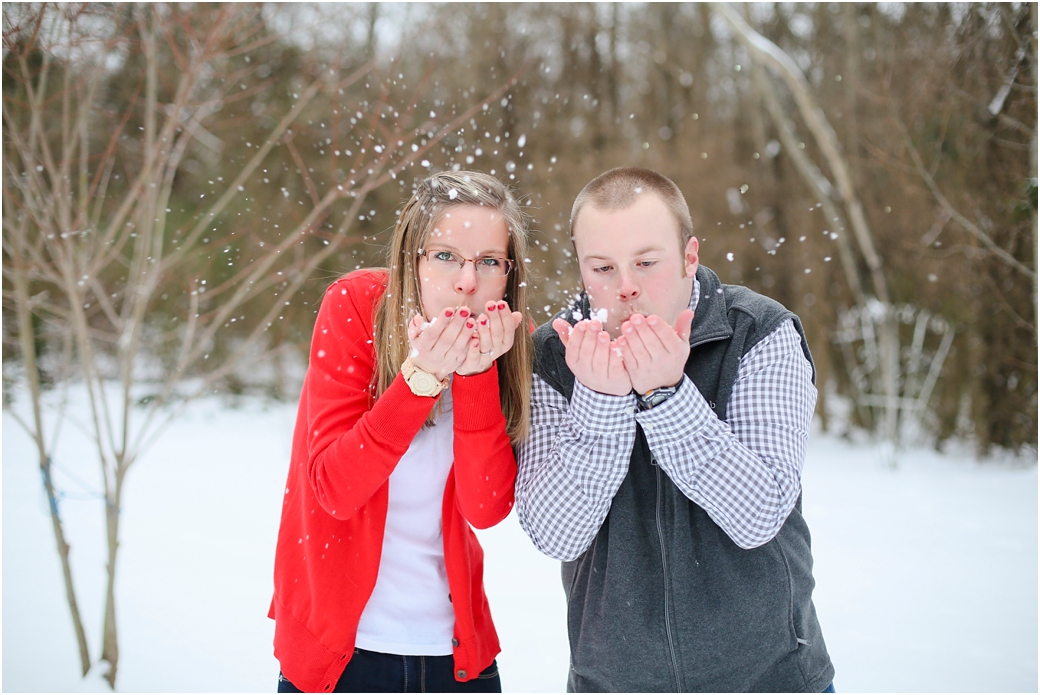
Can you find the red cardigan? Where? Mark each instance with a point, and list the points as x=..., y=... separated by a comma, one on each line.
x=344, y=449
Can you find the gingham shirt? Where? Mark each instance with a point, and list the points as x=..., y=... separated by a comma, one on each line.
x=744, y=471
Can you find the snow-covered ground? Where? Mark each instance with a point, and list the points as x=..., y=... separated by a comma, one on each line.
x=926, y=575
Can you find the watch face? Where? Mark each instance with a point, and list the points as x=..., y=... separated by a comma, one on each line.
x=657, y=398
x=423, y=383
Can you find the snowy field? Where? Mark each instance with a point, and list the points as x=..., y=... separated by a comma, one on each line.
x=926, y=575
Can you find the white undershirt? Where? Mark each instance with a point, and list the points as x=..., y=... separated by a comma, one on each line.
x=409, y=612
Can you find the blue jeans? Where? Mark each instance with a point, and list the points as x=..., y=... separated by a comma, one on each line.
x=373, y=672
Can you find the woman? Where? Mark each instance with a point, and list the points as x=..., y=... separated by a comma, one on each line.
x=417, y=388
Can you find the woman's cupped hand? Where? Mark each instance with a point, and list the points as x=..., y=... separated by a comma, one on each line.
x=458, y=341
x=496, y=329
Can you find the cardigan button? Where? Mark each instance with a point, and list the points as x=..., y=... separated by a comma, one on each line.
x=461, y=673
x=454, y=642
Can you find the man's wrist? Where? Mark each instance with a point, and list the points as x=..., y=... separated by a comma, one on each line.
x=607, y=388
x=602, y=413
x=683, y=416
x=655, y=397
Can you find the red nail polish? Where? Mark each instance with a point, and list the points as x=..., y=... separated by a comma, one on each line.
x=483, y=322
x=492, y=307
x=463, y=313
x=448, y=313
x=470, y=324
x=502, y=305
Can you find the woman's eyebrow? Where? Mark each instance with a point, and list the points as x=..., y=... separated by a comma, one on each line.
x=441, y=246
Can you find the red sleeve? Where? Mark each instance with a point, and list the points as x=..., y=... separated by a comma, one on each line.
x=353, y=448
x=485, y=468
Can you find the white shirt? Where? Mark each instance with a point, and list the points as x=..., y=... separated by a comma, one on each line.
x=409, y=612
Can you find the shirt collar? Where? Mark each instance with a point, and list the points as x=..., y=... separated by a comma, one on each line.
x=695, y=297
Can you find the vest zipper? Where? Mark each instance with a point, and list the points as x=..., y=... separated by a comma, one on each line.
x=667, y=581
x=710, y=339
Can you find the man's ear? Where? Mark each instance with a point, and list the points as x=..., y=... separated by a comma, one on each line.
x=690, y=257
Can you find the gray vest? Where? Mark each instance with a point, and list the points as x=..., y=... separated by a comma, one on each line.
x=663, y=600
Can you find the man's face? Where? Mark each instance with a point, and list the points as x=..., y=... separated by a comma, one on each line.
x=631, y=261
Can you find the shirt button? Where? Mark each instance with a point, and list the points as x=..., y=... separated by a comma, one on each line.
x=454, y=642
x=461, y=673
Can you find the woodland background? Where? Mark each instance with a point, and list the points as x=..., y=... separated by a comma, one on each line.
x=181, y=182
x=658, y=85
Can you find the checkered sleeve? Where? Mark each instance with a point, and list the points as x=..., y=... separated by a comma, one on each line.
x=744, y=471
x=571, y=465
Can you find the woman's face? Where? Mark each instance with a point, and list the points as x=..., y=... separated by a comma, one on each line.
x=474, y=233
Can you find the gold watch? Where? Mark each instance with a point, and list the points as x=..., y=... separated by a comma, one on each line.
x=421, y=383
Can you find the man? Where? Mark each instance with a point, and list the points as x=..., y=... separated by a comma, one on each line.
x=670, y=416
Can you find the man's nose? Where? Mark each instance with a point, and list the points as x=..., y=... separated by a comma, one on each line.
x=466, y=281
x=628, y=289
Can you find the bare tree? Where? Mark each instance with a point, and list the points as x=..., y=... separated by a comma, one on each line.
x=766, y=53
x=91, y=247
x=1021, y=74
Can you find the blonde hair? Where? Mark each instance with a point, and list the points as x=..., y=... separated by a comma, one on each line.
x=432, y=198
x=617, y=188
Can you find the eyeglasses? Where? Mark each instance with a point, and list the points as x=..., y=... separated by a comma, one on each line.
x=447, y=261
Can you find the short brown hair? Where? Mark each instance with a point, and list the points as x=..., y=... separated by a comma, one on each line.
x=617, y=189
